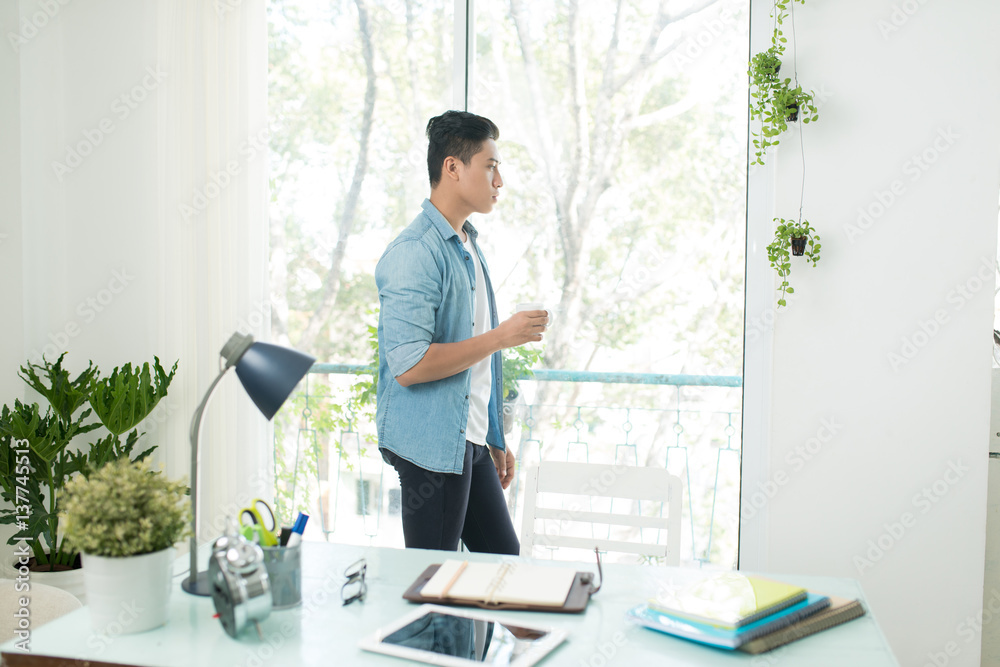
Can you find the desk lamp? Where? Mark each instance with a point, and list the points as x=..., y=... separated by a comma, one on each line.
x=268, y=373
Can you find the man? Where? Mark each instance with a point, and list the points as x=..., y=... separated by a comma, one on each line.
x=439, y=406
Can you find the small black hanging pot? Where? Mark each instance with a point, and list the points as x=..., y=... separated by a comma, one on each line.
x=799, y=245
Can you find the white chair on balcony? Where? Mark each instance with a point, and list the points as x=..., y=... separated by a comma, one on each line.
x=632, y=483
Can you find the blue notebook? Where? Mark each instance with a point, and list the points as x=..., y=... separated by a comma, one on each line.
x=722, y=637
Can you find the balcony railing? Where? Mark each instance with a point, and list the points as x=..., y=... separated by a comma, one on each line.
x=328, y=461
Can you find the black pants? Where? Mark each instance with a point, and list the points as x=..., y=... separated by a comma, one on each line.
x=440, y=508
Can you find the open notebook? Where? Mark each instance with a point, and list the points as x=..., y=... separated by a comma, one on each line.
x=505, y=583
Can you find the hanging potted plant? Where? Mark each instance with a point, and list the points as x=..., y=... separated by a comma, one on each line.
x=36, y=459
x=776, y=102
x=764, y=68
x=791, y=239
x=125, y=519
x=783, y=105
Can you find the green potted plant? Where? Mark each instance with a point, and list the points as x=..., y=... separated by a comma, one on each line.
x=775, y=102
x=35, y=444
x=783, y=104
x=764, y=68
x=125, y=519
x=790, y=239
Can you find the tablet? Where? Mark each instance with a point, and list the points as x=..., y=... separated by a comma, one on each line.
x=456, y=636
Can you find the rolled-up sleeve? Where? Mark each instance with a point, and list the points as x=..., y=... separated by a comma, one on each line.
x=409, y=290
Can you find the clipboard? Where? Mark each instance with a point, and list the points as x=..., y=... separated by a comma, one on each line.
x=576, y=601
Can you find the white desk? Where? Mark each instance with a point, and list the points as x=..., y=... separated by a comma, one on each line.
x=322, y=632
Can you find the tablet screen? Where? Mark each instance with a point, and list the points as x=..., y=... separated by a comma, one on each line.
x=446, y=634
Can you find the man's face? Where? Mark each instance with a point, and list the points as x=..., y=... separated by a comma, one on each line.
x=479, y=181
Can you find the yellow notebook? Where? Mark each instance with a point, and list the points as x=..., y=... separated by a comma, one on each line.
x=729, y=600
x=509, y=582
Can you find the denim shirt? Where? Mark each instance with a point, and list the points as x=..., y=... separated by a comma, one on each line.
x=425, y=281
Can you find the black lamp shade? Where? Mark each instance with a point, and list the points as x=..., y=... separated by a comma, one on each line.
x=269, y=373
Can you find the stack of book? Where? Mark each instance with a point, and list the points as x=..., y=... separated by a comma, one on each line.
x=749, y=613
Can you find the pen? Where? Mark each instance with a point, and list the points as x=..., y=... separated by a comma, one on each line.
x=300, y=525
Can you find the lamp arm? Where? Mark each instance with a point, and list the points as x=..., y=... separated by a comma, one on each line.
x=195, y=433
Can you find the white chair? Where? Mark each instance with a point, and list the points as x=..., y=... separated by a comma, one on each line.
x=604, y=481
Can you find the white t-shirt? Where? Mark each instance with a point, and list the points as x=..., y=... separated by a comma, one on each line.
x=482, y=372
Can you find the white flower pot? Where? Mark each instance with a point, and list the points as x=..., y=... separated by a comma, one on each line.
x=130, y=594
x=70, y=581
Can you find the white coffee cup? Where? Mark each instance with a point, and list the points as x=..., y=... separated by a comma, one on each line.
x=537, y=306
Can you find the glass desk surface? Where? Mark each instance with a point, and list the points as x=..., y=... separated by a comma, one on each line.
x=323, y=632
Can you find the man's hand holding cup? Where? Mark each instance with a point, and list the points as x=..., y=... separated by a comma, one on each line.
x=540, y=317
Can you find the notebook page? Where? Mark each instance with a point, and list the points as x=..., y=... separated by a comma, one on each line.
x=509, y=582
x=434, y=586
x=535, y=584
x=476, y=581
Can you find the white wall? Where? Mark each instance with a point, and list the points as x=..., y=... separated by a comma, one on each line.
x=879, y=370
x=11, y=284
x=11, y=333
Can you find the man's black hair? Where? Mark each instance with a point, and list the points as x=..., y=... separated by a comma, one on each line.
x=458, y=134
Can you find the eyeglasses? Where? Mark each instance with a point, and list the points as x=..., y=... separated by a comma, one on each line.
x=588, y=577
x=355, y=587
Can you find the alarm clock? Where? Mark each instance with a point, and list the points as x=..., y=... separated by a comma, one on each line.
x=241, y=590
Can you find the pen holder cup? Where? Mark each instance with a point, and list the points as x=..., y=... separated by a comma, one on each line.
x=284, y=569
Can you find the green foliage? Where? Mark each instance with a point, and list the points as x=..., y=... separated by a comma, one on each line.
x=764, y=67
x=125, y=509
x=291, y=477
x=784, y=105
x=774, y=101
x=127, y=396
x=64, y=394
x=779, y=250
x=110, y=448
x=517, y=365
x=323, y=417
x=365, y=390
x=36, y=462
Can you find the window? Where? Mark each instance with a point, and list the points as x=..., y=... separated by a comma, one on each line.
x=623, y=137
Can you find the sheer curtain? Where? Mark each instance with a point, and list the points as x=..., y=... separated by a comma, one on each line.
x=144, y=204
x=212, y=195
